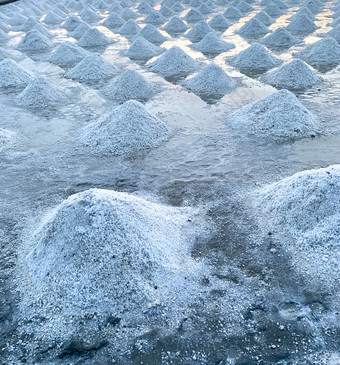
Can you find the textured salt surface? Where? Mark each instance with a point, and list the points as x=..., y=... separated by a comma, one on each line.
x=264, y=18
x=301, y=25
x=130, y=27
x=232, y=13
x=114, y=20
x=72, y=22
x=199, y=31
x=68, y=55
x=127, y=129
x=80, y=30
x=150, y=33
x=35, y=41
x=194, y=16
x=213, y=45
x=254, y=28
x=219, y=22
x=11, y=74
x=142, y=50
x=93, y=38
x=278, y=117
x=175, y=26
x=6, y=139
x=280, y=38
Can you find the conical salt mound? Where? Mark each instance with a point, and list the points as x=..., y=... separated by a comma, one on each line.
x=11, y=74
x=175, y=26
x=232, y=13
x=254, y=28
x=129, y=28
x=150, y=33
x=154, y=17
x=29, y=24
x=35, y=41
x=313, y=6
x=143, y=50
x=166, y=12
x=52, y=18
x=280, y=38
x=72, y=22
x=4, y=37
x=255, y=58
x=174, y=63
x=301, y=25
x=325, y=52
x=127, y=14
x=211, y=81
x=68, y=55
x=93, y=68
x=89, y=15
x=199, y=31
x=273, y=10
x=39, y=93
x=279, y=116
x=305, y=11
x=194, y=16
x=43, y=30
x=295, y=75
x=177, y=7
x=93, y=38
x=213, y=45
x=334, y=33
x=244, y=8
x=195, y=3
x=130, y=85
x=144, y=7
x=6, y=139
x=263, y=17
x=204, y=9
x=17, y=19
x=127, y=129
x=114, y=21
x=80, y=30
x=219, y=22
x=4, y=27
x=4, y=54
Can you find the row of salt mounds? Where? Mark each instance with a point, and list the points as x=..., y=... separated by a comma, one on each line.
x=40, y=93
x=6, y=139
x=211, y=44
x=211, y=81
x=295, y=75
x=174, y=63
x=93, y=38
x=35, y=41
x=11, y=74
x=127, y=129
x=129, y=85
x=254, y=59
x=93, y=68
x=280, y=38
x=68, y=55
x=142, y=50
x=304, y=212
x=325, y=52
x=279, y=117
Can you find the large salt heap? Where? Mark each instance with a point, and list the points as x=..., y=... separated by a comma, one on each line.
x=212, y=45
x=127, y=14
x=143, y=50
x=278, y=117
x=254, y=28
x=11, y=74
x=150, y=33
x=199, y=31
x=29, y=24
x=127, y=129
x=130, y=85
x=301, y=25
x=67, y=55
x=175, y=26
x=295, y=75
x=174, y=63
x=93, y=38
x=280, y=38
x=35, y=41
x=89, y=15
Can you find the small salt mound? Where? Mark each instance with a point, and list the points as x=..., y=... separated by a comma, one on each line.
x=150, y=33
x=211, y=81
x=301, y=24
x=127, y=129
x=17, y=19
x=11, y=74
x=279, y=116
x=80, y=30
x=335, y=33
x=175, y=26
x=72, y=22
x=219, y=22
x=205, y=9
x=4, y=54
x=264, y=18
x=127, y=14
x=89, y=15
x=232, y=13
x=114, y=21
x=4, y=27
x=3, y=37
x=143, y=50
x=211, y=44
x=306, y=12
x=244, y=8
x=93, y=38
x=67, y=55
x=144, y=7
x=199, y=31
x=129, y=28
x=100, y=5
x=303, y=211
x=35, y=41
x=43, y=30
x=154, y=17
x=335, y=23
x=295, y=75
x=166, y=12
x=39, y=93
x=280, y=38
x=194, y=16
x=313, y=6
x=254, y=28
x=325, y=52
x=195, y=3
x=174, y=63
x=29, y=24
x=273, y=10
x=177, y=7
x=93, y=68
x=52, y=18
x=6, y=139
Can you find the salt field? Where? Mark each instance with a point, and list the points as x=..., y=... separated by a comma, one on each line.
x=170, y=182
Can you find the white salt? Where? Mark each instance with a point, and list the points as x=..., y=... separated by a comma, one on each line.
x=232, y=13
x=219, y=22
x=93, y=38
x=52, y=18
x=175, y=26
x=263, y=17
x=72, y=22
x=35, y=41
x=43, y=30
x=273, y=10
x=254, y=28
x=301, y=24
x=177, y=7
x=166, y=12
x=154, y=17
x=199, y=31
x=280, y=38
x=29, y=24
x=150, y=33
x=6, y=139
x=194, y=16
x=212, y=44
x=244, y=8
x=129, y=28
x=11, y=74
x=142, y=50
x=89, y=14
x=17, y=19
x=4, y=37
x=205, y=9
x=68, y=55
x=113, y=21
x=80, y=30
x=127, y=14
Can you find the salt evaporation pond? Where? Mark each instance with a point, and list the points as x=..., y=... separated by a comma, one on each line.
x=169, y=182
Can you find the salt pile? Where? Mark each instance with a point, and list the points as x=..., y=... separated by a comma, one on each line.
x=29, y=24
x=194, y=16
x=306, y=12
x=166, y=12
x=264, y=18
x=174, y=63
x=89, y=15
x=279, y=116
x=4, y=54
x=93, y=68
x=127, y=14
x=67, y=55
x=43, y=30
x=295, y=75
x=280, y=38
x=35, y=41
x=255, y=58
x=52, y=18
x=154, y=17
x=4, y=27
x=144, y=7
x=175, y=26
x=6, y=139
x=211, y=44
x=273, y=10
x=204, y=9
x=199, y=31
x=301, y=24
x=72, y=22
x=177, y=7
x=11, y=74
x=93, y=38
x=325, y=52
x=127, y=129
x=254, y=28
x=130, y=85
x=303, y=212
x=313, y=6
x=211, y=81
x=150, y=33
x=3, y=37
x=244, y=8
x=114, y=21
x=143, y=50
x=39, y=93
x=17, y=19
x=219, y=22
x=80, y=30
x=232, y=13
x=129, y=28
